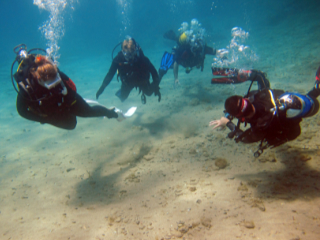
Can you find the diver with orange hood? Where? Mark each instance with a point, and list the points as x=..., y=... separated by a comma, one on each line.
x=47, y=95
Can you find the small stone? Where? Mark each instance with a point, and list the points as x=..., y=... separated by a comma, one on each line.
x=194, y=102
x=176, y=233
x=206, y=222
x=192, y=151
x=248, y=224
x=243, y=187
x=199, y=201
x=221, y=163
x=195, y=224
x=148, y=157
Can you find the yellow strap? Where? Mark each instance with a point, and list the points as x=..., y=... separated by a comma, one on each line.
x=20, y=65
x=73, y=102
x=272, y=98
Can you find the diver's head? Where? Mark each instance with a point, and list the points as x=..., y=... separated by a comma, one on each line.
x=129, y=48
x=46, y=72
x=239, y=107
x=183, y=39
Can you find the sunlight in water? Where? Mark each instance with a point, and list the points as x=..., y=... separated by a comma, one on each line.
x=53, y=28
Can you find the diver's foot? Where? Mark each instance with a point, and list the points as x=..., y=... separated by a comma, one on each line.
x=143, y=99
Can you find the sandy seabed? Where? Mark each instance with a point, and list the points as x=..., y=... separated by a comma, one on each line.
x=164, y=174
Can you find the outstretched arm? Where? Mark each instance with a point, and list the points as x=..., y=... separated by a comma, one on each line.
x=222, y=122
x=175, y=73
x=112, y=70
x=153, y=71
x=155, y=79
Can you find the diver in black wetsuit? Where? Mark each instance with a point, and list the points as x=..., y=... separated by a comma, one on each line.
x=189, y=52
x=134, y=70
x=47, y=95
x=274, y=115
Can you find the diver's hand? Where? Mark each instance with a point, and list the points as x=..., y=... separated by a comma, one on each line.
x=111, y=113
x=176, y=83
x=157, y=93
x=219, y=123
x=156, y=90
x=100, y=91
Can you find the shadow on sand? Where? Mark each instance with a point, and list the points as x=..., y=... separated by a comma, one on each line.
x=298, y=180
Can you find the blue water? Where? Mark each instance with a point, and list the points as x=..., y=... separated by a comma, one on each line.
x=36, y=189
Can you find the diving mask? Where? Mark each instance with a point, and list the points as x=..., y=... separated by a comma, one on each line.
x=49, y=84
x=129, y=48
x=128, y=55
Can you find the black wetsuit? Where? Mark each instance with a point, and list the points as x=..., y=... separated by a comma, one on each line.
x=53, y=107
x=187, y=58
x=135, y=74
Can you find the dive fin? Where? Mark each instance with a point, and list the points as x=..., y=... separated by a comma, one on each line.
x=166, y=61
x=130, y=112
x=122, y=116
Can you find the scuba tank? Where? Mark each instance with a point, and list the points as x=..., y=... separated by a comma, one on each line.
x=296, y=105
x=26, y=60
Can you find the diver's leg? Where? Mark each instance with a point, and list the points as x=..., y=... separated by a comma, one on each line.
x=175, y=73
x=82, y=109
x=124, y=92
x=161, y=73
x=147, y=89
x=62, y=120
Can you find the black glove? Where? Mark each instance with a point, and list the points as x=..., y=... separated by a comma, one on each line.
x=100, y=91
x=111, y=113
x=157, y=93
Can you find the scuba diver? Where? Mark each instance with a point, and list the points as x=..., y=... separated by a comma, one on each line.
x=189, y=52
x=47, y=95
x=274, y=115
x=134, y=70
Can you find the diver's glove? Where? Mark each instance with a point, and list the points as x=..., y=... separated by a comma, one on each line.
x=100, y=91
x=111, y=113
x=157, y=93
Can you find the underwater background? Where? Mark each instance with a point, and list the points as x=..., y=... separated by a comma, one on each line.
x=155, y=175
